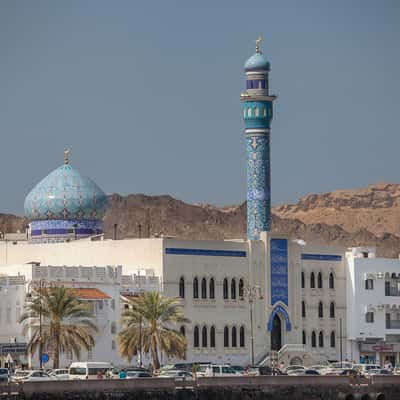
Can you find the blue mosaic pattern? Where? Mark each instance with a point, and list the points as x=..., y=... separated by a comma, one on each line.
x=279, y=271
x=257, y=62
x=281, y=312
x=205, y=252
x=321, y=257
x=51, y=231
x=65, y=194
x=258, y=185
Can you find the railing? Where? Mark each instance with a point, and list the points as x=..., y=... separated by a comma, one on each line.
x=393, y=324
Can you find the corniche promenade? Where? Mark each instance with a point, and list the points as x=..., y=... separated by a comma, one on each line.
x=231, y=388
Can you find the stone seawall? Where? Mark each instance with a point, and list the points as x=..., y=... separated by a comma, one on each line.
x=230, y=388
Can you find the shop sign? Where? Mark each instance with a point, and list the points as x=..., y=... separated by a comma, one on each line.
x=12, y=348
x=383, y=348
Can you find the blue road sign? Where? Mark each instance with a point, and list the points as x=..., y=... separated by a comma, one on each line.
x=45, y=358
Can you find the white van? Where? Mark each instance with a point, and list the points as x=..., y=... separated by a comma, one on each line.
x=88, y=370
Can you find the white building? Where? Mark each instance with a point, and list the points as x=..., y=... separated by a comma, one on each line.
x=373, y=307
x=213, y=278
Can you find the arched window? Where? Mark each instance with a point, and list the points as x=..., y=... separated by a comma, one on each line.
x=332, y=310
x=183, y=331
x=312, y=280
x=226, y=337
x=233, y=289
x=212, y=337
x=319, y=280
x=204, y=337
x=196, y=340
x=303, y=309
x=242, y=337
x=225, y=289
x=264, y=112
x=212, y=289
x=321, y=339
x=333, y=339
x=234, y=337
x=320, y=310
x=313, y=339
x=249, y=112
x=304, y=341
x=113, y=328
x=303, y=280
x=241, y=287
x=256, y=112
x=331, y=281
x=203, y=288
x=195, y=288
x=182, y=287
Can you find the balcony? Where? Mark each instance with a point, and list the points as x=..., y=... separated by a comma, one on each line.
x=393, y=324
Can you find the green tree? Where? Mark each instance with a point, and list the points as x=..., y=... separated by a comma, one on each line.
x=148, y=325
x=67, y=323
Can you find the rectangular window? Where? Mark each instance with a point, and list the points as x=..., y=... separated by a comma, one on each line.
x=369, y=317
x=262, y=84
x=369, y=284
x=248, y=84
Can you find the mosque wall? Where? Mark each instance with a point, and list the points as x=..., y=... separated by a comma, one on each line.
x=133, y=254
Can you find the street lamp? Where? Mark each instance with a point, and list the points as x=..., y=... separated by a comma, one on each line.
x=39, y=286
x=252, y=293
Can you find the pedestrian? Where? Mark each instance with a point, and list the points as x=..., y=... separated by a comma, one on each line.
x=100, y=374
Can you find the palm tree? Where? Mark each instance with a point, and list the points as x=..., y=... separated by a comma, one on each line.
x=66, y=326
x=148, y=325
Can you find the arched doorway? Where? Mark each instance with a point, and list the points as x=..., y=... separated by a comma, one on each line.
x=276, y=333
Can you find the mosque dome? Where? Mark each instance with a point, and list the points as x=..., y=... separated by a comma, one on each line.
x=257, y=62
x=65, y=194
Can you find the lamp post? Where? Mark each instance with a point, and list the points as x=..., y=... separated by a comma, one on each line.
x=39, y=286
x=252, y=293
x=341, y=339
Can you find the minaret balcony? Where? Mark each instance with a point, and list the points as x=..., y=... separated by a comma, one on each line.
x=246, y=96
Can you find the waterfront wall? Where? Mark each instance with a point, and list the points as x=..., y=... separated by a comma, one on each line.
x=230, y=388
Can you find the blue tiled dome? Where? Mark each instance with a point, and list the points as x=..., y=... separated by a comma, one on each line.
x=257, y=62
x=65, y=194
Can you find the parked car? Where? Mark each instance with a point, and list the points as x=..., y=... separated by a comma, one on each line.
x=311, y=372
x=88, y=370
x=176, y=374
x=366, y=368
x=18, y=375
x=294, y=369
x=396, y=370
x=4, y=375
x=59, y=374
x=239, y=369
x=37, y=376
x=137, y=374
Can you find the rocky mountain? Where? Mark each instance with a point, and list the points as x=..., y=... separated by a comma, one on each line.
x=368, y=216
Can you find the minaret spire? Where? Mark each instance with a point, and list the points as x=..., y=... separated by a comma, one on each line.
x=66, y=156
x=258, y=41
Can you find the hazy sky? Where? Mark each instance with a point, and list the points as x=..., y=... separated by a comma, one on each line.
x=146, y=94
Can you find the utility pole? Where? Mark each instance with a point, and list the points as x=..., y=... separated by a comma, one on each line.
x=40, y=324
x=252, y=293
x=140, y=340
x=341, y=339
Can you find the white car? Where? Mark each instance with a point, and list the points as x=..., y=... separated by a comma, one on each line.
x=37, y=376
x=60, y=374
x=176, y=374
x=19, y=374
x=295, y=369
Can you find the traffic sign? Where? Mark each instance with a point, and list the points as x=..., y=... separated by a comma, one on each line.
x=45, y=358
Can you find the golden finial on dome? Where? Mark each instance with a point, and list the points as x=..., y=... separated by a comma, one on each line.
x=258, y=41
x=66, y=156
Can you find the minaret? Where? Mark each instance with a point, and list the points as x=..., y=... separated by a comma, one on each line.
x=257, y=115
